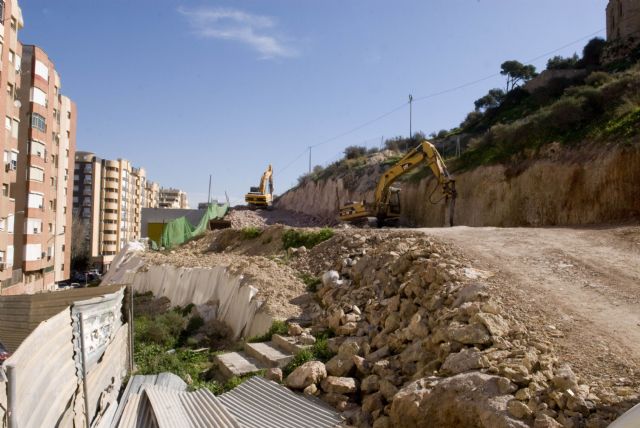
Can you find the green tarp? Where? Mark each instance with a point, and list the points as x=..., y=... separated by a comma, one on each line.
x=179, y=231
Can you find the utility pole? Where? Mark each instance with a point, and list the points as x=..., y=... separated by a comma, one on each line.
x=310, y=159
x=410, y=114
x=209, y=194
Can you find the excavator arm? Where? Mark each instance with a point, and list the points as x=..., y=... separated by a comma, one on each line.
x=267, y=177
x=383, y=206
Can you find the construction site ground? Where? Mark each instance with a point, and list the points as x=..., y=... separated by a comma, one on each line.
x=576, y=289
x=577, y=286
x=580, y=287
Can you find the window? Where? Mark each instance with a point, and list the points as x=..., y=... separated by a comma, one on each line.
x=35, y=200
x=7, y=123
x=12, y=56
x=14, y=23
x=50, y=227
x=43, y=71
x=5, y=190
x=38, y=96
x=10, y=223
x=10, y=90
x=2, y=10
x=3, y=223
x=38, y=122
x=33, y=252
x=69, y=115
x=18, y=62
x=36, y=174
x=15, y=128
x=9, y=255
x=34, y=226
x=36, y=148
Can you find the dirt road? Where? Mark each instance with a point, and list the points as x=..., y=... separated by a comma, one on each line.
x=579, y=287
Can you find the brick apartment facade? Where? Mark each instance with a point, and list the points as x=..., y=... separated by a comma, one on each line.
x=38, y=145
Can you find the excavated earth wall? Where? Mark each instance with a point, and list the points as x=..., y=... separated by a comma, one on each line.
x=559, y=187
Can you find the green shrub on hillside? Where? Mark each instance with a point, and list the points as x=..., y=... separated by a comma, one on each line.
x=277, y=327
x=319, y=351
x=250, y=232
x=294, y=238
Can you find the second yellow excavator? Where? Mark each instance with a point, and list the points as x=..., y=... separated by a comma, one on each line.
x=259, y=197
x=386, y=206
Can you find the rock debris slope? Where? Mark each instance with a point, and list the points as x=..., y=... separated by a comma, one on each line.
x=423, y=340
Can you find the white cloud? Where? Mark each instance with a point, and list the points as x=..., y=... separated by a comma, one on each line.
x=256, y=31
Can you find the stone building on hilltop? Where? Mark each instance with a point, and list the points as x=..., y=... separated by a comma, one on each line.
x=623, y=20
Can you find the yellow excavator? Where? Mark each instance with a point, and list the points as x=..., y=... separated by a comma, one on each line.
x=258, y=197
x=386, y=207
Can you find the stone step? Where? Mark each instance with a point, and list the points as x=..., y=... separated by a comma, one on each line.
x=268, y=354
x=236, y=364
x=288, y=344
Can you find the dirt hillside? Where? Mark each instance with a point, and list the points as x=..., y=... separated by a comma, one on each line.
x=557, y=187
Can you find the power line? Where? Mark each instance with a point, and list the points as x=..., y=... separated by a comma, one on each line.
x=474, y=82
x=432, y=95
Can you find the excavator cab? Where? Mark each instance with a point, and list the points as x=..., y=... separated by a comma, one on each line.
x=393, y=209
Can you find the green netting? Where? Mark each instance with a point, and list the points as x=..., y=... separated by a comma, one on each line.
x=179, y=231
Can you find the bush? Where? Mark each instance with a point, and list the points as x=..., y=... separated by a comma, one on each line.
x=319, y=351
x=250, y=232
x=311, y=282
x=294, y=238
x=354, y=152
x=598, y=78
x=277, y=327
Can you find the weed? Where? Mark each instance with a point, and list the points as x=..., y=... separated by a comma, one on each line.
x=312, y=282
x=294, y=238
x=319, y=351
x=250, y=232
x=277, y=327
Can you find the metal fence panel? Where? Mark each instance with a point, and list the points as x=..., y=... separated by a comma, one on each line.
x=45, y=373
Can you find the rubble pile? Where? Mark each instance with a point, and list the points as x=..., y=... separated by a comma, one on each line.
x=420, y=343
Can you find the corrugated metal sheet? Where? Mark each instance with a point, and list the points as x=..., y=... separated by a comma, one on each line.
x=162, y=401
x=45, y=373
x=206, y=410
x=134, y=389
x=104, y=380
x=20, y=315
x=261, y=403
x=197, y=409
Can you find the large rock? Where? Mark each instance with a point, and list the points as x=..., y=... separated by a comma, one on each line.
x=309, y=373
x=465, y=400
x=496, y=325
x=340, y=365
x=470, y=334
x=339, y=385
x=463, y=361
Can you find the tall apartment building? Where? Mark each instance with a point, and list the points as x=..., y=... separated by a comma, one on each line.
x=45, y=161
x=152, y=191
x=10, y=63
x=173, y=198
x=108, y=196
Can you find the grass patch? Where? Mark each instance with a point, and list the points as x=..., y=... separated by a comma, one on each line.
x=294, y=238
x=277, y=327
x=250, y=232
x=312, y=282
x=318, y=352
x=164, y=343
x=625, y=126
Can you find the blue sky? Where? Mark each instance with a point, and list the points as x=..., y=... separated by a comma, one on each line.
x=191, y=88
